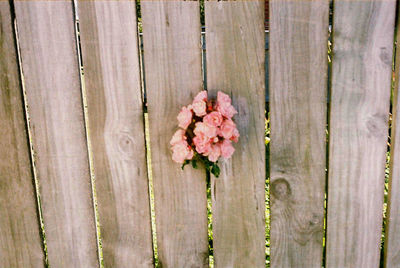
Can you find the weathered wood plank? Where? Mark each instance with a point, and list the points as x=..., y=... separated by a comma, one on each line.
x=112, y=81
x=235, y=64
x=392, y=234
x=51, y=72
x=298, y=90
x=20, y=241
x=172, y=58
x=361, y=78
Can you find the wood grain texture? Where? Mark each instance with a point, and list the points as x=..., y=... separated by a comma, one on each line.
x=392, y=234
x=172, y=59
x=112, y=82
x=51, y=71
x=361, y=78
x=20, y=241
x=298, y=90
x=235, y=65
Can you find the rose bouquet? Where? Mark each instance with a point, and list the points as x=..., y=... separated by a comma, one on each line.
x=206, y=132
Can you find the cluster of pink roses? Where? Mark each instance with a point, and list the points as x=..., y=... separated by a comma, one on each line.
x=206, y=130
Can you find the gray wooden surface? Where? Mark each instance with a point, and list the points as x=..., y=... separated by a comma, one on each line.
x=235, y=65
x=361, y=77
x=298, y=90
x=20, y=240
x=392, y=234
x=112, y=82
x=51, y=73
x=172, y=58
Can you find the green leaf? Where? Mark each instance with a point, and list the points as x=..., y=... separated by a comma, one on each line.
x=194, y=163
x=215, y=170
x=185, y=163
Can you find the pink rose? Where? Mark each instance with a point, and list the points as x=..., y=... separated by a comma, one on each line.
x=185, y=117
x=226, y=110
x=213, y=119
x=227, y=128
x=215, y=152
x=235, y=135
x=199, y=108
x=178, y=136
x=202, y=96
x=202, y=143
x=224, y=105
x=181, y=152
x=209, y=131
x=190, y=155
x=227, y=149
x=223, y=99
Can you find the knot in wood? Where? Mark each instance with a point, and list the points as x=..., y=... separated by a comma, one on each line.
x=377, y=125
x=280, y=188
x=314, y=220
x=385, y=56
x=126, y=145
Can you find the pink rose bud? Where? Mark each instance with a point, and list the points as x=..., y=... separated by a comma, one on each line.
x=215, y=153
x=181, y=152
x=184, y=117
x=209, y=131
x=226, y=110
x=235, y=135
x=178, y=137
x=223, y=98
x=227, y=129
x=202, y=96
x=202, y=143
x=227, y=149
x=199, y=108
x=213, y=119
x=190, y=155
x=224, y=105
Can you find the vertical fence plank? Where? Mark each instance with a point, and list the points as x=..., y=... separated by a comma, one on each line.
x=362, y=63
x=392, y=235
x=172, y=58
x=20, y=242
x=51, y=72
x=235, y=64
x=112, y=81
x=298, y=90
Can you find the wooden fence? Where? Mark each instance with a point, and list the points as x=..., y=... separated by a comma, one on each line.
x=74, y=179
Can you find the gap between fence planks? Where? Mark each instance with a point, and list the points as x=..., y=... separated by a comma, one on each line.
x=51, y=74
x=172, y=60
x=298, y=90
x=361, y=80
x=235, y=65
x=112, y=82
x=392, y=232
x=20, y=241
